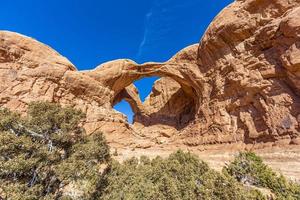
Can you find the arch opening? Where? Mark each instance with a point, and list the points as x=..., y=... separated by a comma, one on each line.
x=167, y=104
x=124, y=107
x=144, y=86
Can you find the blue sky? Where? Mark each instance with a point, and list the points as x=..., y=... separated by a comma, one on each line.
x=91, y=32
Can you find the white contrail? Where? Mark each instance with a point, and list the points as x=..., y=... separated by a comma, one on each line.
x=158, y=24
x=146, y=32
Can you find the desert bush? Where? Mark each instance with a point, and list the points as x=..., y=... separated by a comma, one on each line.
x=45, y=151
x=180, y=176
x=249, y=168
x=50, y=118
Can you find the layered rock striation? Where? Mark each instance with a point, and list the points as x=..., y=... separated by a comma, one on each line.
x=240, y=84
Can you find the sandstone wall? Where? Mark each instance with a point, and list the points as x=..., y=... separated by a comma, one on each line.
x=240, y=84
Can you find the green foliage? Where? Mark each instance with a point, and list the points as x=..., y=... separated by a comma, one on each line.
x=8, y=120
x=50, y=118
x=43, y=152
x=181, y=176
x=249, y=168
x=46, y=155
x=84, y=158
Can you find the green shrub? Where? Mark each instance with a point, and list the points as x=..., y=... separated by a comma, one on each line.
x=249, y=168
x=50, y=118
x=47, y=150
x=181, y=176
x=8, y=120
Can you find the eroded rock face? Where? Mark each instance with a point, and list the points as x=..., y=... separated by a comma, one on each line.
x=241, y=84
x=250, y=52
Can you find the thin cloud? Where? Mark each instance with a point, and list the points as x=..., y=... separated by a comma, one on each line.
x=158, y=24
x=146, y=32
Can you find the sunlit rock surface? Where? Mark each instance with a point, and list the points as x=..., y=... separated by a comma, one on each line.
x=240, y=85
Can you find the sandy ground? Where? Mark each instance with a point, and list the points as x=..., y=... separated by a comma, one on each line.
x=285, y=160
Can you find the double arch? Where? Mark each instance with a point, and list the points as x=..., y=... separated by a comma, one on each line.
x=119, y=76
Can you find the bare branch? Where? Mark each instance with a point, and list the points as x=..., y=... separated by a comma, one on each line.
x=32, y=133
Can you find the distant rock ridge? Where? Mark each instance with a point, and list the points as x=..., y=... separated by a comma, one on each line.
x=239, y=85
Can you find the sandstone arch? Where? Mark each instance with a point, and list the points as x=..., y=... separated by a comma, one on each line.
x=119, y=76
x=167, y=104
x=243, y=79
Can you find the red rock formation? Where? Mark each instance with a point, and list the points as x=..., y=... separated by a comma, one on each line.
x=249, y=54
x=239, y=85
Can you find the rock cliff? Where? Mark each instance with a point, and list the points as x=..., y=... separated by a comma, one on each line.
x=239, y=85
